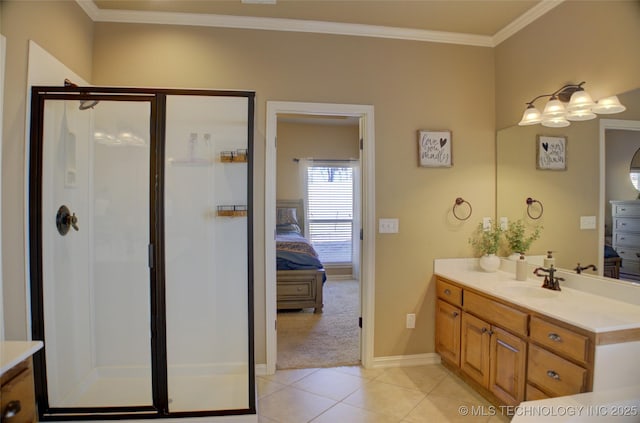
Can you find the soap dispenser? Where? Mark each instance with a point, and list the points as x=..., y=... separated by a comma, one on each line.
x=549, y=260
x=521, y=268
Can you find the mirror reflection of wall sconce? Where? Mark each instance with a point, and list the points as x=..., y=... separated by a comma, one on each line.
x=459, y=202
x=530, y=202
x=580, y=106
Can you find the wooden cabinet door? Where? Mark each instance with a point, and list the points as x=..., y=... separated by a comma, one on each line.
x=448, y=320
x=508, y=360
x=474, y=354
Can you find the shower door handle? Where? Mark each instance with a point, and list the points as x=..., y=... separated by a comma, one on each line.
x=65, y=219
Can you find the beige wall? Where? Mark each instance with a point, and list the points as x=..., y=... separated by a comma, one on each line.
x=592, y=41
x=412, y=85
x=542, y=57
x=65, y=31
x=300, y=140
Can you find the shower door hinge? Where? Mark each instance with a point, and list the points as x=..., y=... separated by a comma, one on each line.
x=150, y=256
x=361, y=234
x=361, y=143
x=360, y=322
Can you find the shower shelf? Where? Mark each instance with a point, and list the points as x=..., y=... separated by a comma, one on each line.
x=190, y=162
x=232, y=211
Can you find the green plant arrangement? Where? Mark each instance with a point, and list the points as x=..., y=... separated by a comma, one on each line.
x=486, y=241
x=517, y=240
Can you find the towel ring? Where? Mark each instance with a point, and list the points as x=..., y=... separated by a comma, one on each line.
x=459, y=201
x=530, y=201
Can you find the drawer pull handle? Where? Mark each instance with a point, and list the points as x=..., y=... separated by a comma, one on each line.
x=553, y=374
x=11, y=410
x=299, y=289
x=447, y=291
x=455, y=314
x=555, y=337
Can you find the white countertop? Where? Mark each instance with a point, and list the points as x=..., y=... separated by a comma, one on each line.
x=13, y=352
x=616, y=405
x=595, y=313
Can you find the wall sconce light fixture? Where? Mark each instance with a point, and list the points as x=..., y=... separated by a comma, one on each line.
x=580, y=106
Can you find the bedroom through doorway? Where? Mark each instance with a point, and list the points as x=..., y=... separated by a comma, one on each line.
x=318, y=171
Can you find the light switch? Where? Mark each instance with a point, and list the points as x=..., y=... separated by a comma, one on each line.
x=504, y=223
x=587, y=222
x=388, y=226
x=486, y=223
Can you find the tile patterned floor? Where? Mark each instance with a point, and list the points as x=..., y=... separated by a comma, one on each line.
x=415, y=394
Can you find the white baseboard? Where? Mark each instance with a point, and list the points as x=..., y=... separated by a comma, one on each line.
x=406, y=360
x=261, y=369
x=383, y=362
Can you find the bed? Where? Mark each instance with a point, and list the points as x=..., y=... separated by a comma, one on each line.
x=300, y=274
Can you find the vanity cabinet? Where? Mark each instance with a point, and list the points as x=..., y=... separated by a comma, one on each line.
x=559, y=359
x=448, y=321
x=625, y=235
x=513, y=354
x=17, y=397
x=490, y=355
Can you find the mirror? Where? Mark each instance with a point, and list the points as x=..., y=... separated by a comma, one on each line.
x=634, y=169
x=572, y=196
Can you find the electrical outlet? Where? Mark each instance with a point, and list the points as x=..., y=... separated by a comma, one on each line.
x=504, y=223
x=486, y=223
x=411, y=321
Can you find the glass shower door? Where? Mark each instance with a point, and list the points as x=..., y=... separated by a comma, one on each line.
x=95, y=235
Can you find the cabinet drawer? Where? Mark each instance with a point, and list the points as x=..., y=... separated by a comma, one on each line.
x=18, y=392
x=626, y=210
x=501, y=315
x=628, y=224
x=555, y=375
x=625, y=239
x=448, y=292
x=629, y=254
x=560, y=340
x=295, y=290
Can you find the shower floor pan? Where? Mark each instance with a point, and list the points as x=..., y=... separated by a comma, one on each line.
x=186, y=393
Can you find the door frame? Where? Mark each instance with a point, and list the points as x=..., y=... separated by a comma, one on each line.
x=367, y=276
x=606, y=124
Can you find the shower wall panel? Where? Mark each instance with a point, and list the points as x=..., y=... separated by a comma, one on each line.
x=67, y=288
x=206, y=254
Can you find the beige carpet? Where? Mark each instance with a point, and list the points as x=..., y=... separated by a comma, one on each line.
x=327, y=339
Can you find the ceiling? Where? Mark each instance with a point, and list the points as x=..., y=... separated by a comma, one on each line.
x=474, y=22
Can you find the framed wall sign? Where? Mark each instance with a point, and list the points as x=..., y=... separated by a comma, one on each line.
x=434, y=148
x=551, y=153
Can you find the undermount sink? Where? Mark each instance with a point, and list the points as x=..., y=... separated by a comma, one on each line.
x=529, y=291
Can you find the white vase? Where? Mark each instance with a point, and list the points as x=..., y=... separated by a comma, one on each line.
x=489, y=262
x=514, y=256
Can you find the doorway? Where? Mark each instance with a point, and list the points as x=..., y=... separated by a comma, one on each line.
x=318, y=167
x=364, y=115
x=619, y=141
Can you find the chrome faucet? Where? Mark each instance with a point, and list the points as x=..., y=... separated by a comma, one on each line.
x=579, y=268
x=550, y=280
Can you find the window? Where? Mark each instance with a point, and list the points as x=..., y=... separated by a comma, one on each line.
x=330, y=211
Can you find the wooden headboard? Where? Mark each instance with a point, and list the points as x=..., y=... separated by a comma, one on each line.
x=299, y=205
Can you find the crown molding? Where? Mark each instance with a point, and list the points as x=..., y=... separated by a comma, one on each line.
x=310, y=26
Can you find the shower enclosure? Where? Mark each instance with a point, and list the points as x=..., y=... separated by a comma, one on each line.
x=140, y=242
